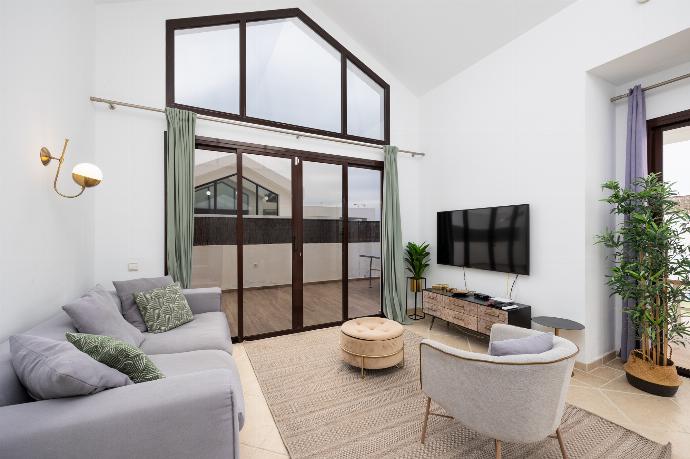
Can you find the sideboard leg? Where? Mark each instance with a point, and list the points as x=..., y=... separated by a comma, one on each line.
x=432, y=322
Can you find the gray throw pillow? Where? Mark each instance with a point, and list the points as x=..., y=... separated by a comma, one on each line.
x=535, y=344
x=164, y=308
x=96, y=313
x=126, y=290
x=55, y=369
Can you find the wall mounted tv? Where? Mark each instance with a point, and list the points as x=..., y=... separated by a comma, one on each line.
x=491, y=238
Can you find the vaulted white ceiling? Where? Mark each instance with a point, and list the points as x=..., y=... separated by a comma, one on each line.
x=425, y=42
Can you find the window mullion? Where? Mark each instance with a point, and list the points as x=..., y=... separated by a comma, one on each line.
x=243, y=68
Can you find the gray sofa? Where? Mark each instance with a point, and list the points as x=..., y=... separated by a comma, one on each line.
x=197, y=410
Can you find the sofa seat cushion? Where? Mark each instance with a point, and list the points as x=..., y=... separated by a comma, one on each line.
x=185, y=363
x=207, y=331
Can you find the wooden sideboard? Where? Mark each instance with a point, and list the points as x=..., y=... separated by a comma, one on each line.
x=472, y=313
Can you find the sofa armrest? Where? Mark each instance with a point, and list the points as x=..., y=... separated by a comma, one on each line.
x=203, y=299
x=192, y=415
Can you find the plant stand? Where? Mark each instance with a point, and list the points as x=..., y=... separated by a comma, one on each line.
x=414, y=315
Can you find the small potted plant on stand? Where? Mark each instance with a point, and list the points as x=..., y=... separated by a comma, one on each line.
x=417, y=262
x=651, y=270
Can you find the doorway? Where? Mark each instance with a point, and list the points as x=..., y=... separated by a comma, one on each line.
x=668, y=140
x=293, y=238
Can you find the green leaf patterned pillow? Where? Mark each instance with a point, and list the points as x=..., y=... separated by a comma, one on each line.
x=164, y=308
x=117, y=354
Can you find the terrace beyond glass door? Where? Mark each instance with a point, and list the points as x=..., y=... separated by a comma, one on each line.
x=292, y=238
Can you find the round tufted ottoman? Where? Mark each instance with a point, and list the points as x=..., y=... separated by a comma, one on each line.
x=372, y=343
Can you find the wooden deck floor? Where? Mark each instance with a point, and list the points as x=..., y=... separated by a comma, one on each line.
x=270, y=309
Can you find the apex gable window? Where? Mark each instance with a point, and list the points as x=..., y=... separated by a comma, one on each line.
x=277, y=68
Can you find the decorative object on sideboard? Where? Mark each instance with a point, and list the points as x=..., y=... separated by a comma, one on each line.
x=651, y=267
x=440, y=287
x=86, y=175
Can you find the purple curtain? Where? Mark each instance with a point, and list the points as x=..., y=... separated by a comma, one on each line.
x=635, y=167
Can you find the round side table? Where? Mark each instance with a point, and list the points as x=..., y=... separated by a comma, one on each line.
x=558, y=324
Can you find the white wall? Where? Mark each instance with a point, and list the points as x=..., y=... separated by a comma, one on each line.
x=524, y=125
x=46, y=242
x=130, y=65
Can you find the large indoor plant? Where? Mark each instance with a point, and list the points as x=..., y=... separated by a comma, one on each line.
x=417, y=262
x=651, y=273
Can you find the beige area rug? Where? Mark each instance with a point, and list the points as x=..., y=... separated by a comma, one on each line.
x=324, y=410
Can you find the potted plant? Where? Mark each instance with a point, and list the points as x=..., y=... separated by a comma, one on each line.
x=417, y=262
x=650, y=271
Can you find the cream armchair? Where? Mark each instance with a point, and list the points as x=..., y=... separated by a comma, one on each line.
x=516, y=398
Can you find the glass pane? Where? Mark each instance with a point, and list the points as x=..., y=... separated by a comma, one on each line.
x=268, y=202
x=214, y=254
x=365, y=107
x=676, y=157
x=226, y=191
x=207, y=67
x=293, y=75
x=203, y=198
x=267, y=247
x=323, y=253
x=364, y=237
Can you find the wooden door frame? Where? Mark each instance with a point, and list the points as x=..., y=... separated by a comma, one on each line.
x=655, y=156
x=346, y=162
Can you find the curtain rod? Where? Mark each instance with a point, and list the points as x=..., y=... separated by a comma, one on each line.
x=655, y=85
x=113, y=103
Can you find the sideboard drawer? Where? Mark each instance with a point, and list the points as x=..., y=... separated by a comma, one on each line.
x=493, y=315
x=484, y=326
x=430, y=307
x=462, y=306
x=434, y=297
x=465, y=320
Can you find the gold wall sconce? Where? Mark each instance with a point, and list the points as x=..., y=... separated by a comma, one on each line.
x=85, y=175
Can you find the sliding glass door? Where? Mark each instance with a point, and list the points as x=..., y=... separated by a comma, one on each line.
x=364, y=237
x=292, y=238
x=267, y=244
x=668, y=140
x=322, y=226
x=214, y=254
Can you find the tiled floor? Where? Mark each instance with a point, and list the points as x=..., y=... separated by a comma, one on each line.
x=603, y=391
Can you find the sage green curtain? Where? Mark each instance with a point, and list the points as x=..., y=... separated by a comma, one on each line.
x=179, y=196
x=391, y=241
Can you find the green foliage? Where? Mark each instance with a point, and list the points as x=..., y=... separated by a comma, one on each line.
x=417, y=258
x=651, y=262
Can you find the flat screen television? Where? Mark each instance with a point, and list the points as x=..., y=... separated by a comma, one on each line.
x=491, y=238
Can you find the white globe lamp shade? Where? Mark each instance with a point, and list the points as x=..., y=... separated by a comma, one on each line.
x=87, y=175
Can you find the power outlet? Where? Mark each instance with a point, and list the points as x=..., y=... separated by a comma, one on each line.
x=133, y=266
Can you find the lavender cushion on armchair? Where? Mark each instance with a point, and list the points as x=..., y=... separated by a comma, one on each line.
x=535, y=344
